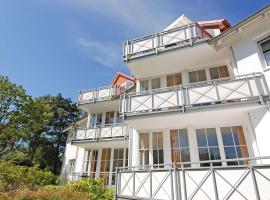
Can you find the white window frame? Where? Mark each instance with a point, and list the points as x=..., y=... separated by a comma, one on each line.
x=266, y=66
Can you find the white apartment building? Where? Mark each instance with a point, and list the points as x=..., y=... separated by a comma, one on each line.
x=193, y=122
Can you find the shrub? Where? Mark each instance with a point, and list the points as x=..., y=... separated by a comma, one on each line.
x=94, y=187
x=13, y=177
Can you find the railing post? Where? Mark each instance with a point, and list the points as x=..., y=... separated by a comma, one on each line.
x=116, y=183
x=157, y=42
x=172, y=187
x=214, y=182
x=216, y=88
x=151, y=184
x=254, y=181
x=184, y=183
x=177, y=184
x=152, y=99
x=259, y=88
x=183, y=99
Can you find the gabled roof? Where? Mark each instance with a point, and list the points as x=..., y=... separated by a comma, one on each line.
x=181, y=21
x=260, y=13
x=120, y=74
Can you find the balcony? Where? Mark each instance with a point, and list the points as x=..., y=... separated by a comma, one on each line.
x=176, y=181
x=164, y=41
x=101, y=133
x=98, y=95
x=250, y=88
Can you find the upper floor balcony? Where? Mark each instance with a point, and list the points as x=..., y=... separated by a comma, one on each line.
x=98, y=94
x=100, y=133
x=250, y=88
x=171, y=51
x=164, y=41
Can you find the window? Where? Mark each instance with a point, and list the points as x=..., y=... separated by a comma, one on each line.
x=234, y=144
x=219, y=72
x=119, y=119
x=118, y=161
x=109, y=119
x=158, y=157
x=155, y=83
x=144, y=86
x=174, y=79
x=71, y=166
x=105, y=165
x=90, y=162
x=144, y=149
x=197, y=76
x=208, y=146
x=95, y=119
x=180, y=150
x=265, y=47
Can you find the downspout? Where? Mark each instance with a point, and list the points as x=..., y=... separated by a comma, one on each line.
x=233, y=59
x=253, y=132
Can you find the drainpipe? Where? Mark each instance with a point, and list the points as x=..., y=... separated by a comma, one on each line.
x=253, y=132
x=233, y=59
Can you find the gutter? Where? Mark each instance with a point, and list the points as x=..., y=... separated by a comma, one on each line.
x=254, y=16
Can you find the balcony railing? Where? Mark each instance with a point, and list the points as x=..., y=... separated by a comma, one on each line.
x=163, y=41
x=98, y=94
x=225, y=91
x=175, y=181
x=106, y=132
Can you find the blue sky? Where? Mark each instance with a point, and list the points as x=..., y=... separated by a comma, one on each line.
x=52, y=46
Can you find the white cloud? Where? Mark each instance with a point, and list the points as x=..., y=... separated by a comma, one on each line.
x=103, y=53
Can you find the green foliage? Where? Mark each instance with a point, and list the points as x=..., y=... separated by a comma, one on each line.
x=94, y=187
x=31, y=183
x=13, y=177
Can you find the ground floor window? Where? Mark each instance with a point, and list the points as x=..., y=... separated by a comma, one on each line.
x=90, y=162
x=234, y=144
x=71, y=166
x=208, y=147
x=105, y=165
x=158, y=157
x=144, y=148
x=120, y=159
x=180, y=150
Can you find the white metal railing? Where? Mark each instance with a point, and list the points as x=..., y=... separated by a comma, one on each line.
x=175, y=181
x=98, y=94
x=163, y=41
x=105, y=132
x=240, y=89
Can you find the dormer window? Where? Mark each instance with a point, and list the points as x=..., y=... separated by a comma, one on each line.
x=265, y=47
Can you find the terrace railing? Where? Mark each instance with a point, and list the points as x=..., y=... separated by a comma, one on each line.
x=163, y=41
x=106, y=132
x=98, y=94
x=232, y=90
x=177, y=182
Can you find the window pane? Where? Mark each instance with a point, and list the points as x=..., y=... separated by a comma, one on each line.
x=267, y=58
x=109, y=117
x=99, y=119
x=242, y=152
x=230, y=153
x=177, y=79
x=185, y=155
x=183, y=138
x=144, y=85
x=201, y=138
x=174, y=139
x=265, y=46
x=212, y=137
x=170, y=81
x=175, y=155
x=223, y=71
x=214, y=153
x=201, y=75
x=192, y=77
x=227, y=136
x=144, y=141
x=155, y=83
x=161, y=156
x=238, y=135
x=203, y=154
x=214, y=73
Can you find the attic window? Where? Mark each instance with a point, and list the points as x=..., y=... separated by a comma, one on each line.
x=265, y=47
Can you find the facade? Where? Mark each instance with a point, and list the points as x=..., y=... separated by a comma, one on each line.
x=196, y=116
